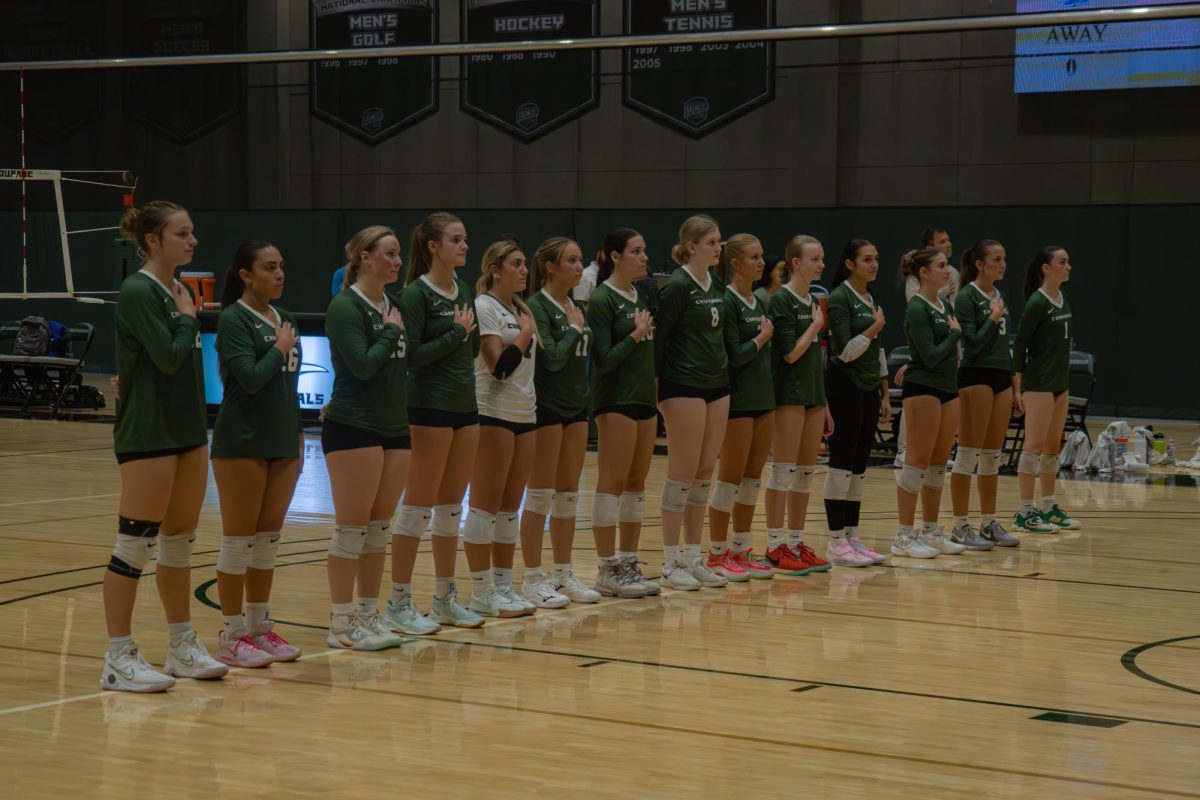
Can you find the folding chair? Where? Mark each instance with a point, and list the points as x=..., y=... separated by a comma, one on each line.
x=888, y=439
x=1082, y=383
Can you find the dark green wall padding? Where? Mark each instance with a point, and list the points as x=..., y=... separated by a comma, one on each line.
x=1132, y=290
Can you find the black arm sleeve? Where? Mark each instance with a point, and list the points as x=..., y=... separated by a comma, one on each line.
x=507, y=363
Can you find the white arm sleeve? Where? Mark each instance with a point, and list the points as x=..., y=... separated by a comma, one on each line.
x=911, y=286
x=854, y=348
x=882, y=365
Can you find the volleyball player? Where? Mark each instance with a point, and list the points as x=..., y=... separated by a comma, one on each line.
x=856, y=388
x=257, y=446
x=504, y=390
x=930, y=406
x=985, y=394
x=1042, y=360
x=747, y=331
x=160, y=439
x=439, y=313
x=801, y=416
x=365, y=438
x=693, y=395
x=561, y=382
x=775, y=275
x=623, y=370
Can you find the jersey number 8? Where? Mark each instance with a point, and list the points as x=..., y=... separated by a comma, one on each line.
x=716, y=316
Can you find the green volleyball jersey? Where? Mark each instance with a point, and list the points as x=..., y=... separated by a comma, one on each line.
x=932, y=345
x=441, y=358
x=985, y=343
x=560, y=373
x=159, y=371
x=622, y=367
x=1042, y=351
x=801, y=383
x=370, y=366
x=260, y=413
x=689, y=338
x=749, y=367
x=849, y=316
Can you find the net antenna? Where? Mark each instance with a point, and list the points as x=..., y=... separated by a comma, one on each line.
x=122, y=179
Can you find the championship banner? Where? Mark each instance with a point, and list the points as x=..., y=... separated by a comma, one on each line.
x=57, y=104
x=697, y=88
x=373, y=98
x=529, y=94
x=184, y=103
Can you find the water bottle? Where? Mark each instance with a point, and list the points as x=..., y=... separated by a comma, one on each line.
x=1121, y=447
x=1170, y=448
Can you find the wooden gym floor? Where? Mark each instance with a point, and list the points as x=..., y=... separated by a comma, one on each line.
x=1069, y=667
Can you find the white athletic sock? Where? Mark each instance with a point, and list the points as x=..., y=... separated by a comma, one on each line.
x=442, y=586
x=481, y=580
x=342, y=609
x=795, y=536
x=775, y=537
x=178, y=631
x=1027, y=507
x=987, y=519
x=742, y=541
x=367, y=605
x=718, y=548
x=624, y=554
x=835, y=535
x=502, y=576
x=400, y=591
x=256, y=616
x=610, y=560
x=534, y=572
x=691, y=552
x=117, y=643
x=961, y=522
x=929, y=527
x=561, y=569
x=1048, y=503
x=671, y=553
x=904, y=532
x=851, y=531
x=235, y=626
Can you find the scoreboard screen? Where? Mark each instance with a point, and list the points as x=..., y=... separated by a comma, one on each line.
x=1119, y=55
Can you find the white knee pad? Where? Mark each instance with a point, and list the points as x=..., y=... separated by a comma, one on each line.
x=1049, y=463
x=605, y=510
x=235, y=554
x=674, y=495
x=412, y=520
x=135, y=545
x=566, y=505
x=935, y=477
x=837, y=484
x=1028, y=462
x=910, y=478
x=508, y=528
x=266, y=549
x=802, y=479
x=176, y=550
x=633, y=506
x=747, y=492
x=698, y=493
x=855, y=493
x=347, y=541
x=722, y=497
x=989, y=462
x=379, y=532
x=781, y=477
x=539, y=501
x=446, y=519
x=480, y=527
x=966, y=460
